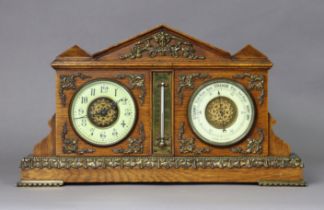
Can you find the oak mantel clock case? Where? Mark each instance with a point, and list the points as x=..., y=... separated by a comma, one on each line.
x=161, y=107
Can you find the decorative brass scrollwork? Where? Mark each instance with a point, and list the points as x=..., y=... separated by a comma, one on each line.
x=256, y=82
x=135, y=81
x=71, y=145
x=292, y=161
x=254, y=145
x=135, y=145
x=163, y=44
x=188, y=145
x=67, y=82
x=187, y=81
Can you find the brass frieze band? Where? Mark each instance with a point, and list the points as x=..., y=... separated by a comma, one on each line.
x=163, y=44
x=67, y=82
x=31, y=162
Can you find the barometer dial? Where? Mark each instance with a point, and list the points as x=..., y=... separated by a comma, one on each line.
x=103, y=112
x=221, y=112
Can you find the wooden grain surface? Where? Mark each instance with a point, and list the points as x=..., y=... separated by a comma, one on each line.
x=163, y=175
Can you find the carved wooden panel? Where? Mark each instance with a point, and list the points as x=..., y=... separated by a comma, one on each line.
x=138, y=141
x=242, y=147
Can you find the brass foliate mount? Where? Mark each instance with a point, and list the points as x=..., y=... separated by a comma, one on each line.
x=256, y=82
x=135, y=145
x=188, y=145
x=135, y=81
x=254, y=145
x=67, y=82
x=187, y=81
x=71, y=146
x=163, y=44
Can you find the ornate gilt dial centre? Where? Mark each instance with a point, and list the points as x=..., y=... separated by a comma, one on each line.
x=221, y=112
x=103, y=112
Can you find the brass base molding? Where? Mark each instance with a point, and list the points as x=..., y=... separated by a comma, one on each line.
x=32, y=162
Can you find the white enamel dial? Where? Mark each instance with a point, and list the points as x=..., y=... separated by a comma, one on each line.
x=103, y=112
x=221, y=112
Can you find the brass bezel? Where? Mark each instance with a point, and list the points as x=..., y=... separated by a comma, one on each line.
x=113, y=81
x=236, y=140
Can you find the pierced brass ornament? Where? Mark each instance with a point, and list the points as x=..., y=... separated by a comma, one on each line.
x=103, y=112
x=187, y=81
x=67, y=82
x=188, y=145
x=135, y=81
x=221, y=112
x=254, y=145
x=71, y=145
x=135, y=145
x=256, y=82
x=163, y=44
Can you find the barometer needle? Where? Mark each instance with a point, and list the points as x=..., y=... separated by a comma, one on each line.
x=221, y=111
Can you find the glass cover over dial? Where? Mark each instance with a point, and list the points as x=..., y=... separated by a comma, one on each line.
x=103, y=112
x=221, y=112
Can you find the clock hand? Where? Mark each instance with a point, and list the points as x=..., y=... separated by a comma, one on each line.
x=80, y=117
x=103, y=112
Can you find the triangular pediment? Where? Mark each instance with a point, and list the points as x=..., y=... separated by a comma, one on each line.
x=161, y=47
x=162, y=42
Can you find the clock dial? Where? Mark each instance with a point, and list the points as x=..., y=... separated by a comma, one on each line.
x=221, y=112
x=103, y=112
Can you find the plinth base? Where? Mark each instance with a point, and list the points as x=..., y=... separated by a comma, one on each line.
x=265, y=171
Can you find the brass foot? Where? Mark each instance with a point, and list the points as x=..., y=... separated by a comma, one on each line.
x=40, y=183
x=298, y=183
